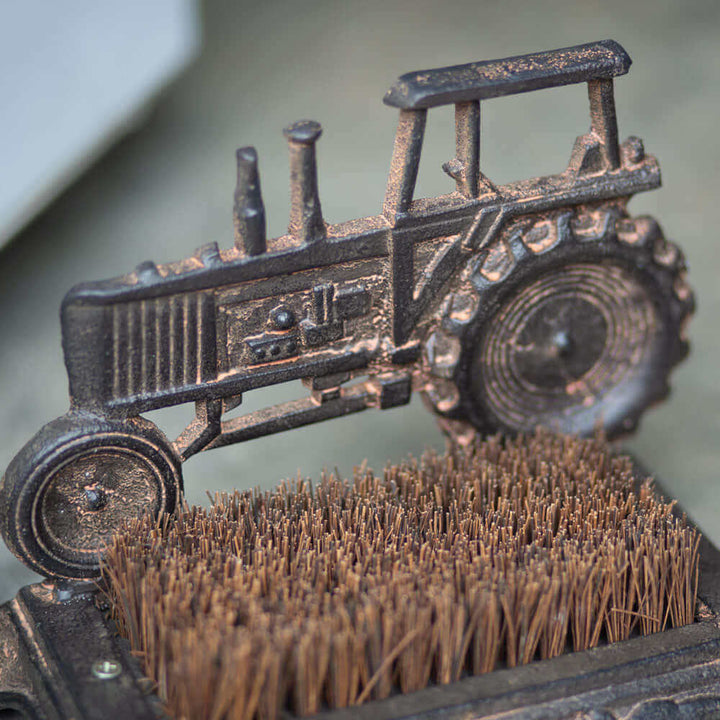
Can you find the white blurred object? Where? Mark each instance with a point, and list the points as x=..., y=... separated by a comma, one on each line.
x=74, y=76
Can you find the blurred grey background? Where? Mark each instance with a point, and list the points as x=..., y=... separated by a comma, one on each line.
x=73, y=78
x=167, y=188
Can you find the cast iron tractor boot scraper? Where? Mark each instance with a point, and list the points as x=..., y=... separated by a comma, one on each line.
x=539, y=302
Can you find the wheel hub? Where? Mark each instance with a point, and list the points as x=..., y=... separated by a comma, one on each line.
x=565, y=350
x=559, y=342
x=87, y=498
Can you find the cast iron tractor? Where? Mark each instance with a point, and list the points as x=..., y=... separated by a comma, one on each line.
x=540, y=302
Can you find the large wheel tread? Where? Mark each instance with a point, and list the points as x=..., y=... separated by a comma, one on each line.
x=601, y=233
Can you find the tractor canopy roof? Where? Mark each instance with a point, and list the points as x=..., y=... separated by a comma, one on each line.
x=494, y=78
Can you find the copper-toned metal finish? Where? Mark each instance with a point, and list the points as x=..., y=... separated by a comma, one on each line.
x=539, y=301
x=59, y=660
x=248, y=209
x=569, y=319
x=84, y=499
x=306, y=220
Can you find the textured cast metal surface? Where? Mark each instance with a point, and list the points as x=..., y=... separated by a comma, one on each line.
x=493, y=78
x=539, y=301
x=53, y=639
x=80, y=478
x=584, y=331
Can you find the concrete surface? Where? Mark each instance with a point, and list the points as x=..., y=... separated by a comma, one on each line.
x=168, y=188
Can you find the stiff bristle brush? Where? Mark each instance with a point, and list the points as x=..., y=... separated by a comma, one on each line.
x=310, y=597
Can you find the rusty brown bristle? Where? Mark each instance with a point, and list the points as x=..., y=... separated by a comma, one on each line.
x=308, y=597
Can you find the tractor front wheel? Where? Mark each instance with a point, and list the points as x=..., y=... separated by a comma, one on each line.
x=75, y=483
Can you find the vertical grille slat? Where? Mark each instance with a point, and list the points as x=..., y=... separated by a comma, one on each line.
x=162, y=344
x=207, y=345
x=120, y=345
x=135, y=355
x=177, y=341
x=149, y=366
x=191, y=344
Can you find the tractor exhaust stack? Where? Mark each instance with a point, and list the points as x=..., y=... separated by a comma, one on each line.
x=248, y=208
x=306, y=220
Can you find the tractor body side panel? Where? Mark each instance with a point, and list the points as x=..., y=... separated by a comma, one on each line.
x=135, y=355
x=474, y=224
x=186, y=332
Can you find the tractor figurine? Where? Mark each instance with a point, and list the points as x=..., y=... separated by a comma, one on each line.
x=539, y=302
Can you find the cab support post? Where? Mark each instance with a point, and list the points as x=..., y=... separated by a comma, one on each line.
x=467, y=147
x=603, y=118
x=405, y=161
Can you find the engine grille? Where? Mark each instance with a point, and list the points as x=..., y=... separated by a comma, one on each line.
x=162, y=343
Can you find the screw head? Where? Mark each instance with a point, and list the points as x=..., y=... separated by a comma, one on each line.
x=106, y=669
x=562, y=343
x=95, y=498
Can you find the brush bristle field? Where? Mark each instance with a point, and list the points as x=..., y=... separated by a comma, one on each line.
x=322, y=596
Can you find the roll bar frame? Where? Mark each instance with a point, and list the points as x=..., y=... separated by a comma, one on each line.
x=466, y=85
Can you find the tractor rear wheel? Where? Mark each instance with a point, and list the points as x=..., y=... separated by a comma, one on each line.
x=75, y=483
x=576, y=321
